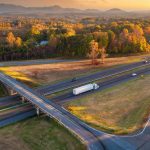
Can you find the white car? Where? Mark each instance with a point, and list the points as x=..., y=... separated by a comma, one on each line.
x=134, y=74
x=145, y=61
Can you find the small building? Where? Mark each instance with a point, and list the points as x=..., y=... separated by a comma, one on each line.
x=42, y=43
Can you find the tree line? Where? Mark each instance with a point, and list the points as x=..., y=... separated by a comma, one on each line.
x=75, y=40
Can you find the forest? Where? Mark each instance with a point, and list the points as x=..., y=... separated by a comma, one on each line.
x=33, y=38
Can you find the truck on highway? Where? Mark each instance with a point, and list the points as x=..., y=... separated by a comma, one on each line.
x=85, y=88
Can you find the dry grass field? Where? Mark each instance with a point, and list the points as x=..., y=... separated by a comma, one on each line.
x=120, y=110
x=48, y=73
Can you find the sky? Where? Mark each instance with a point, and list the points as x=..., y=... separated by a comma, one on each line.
x=84, y=4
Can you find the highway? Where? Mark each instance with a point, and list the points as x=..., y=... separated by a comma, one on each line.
x=71, y=122
x=50, y=89
x=15, y=99
x=54, y=111
x=124, y=142
x=9, y=101
x=34, y=62
x=61, y=99
x=14, y=110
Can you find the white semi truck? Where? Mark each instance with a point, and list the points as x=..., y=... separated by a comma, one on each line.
x=85, y=88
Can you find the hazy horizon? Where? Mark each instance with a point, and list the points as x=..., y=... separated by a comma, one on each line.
x=85, y=4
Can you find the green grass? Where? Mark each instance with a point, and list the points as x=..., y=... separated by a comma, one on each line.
x=121, y=109
x=2, y=92
x=40, y=133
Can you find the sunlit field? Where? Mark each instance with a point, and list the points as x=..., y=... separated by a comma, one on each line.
x=36, y=75
x=121, y=109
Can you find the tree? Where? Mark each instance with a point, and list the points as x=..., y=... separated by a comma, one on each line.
x=103, y=54
x=94, y=51
x=101, y=38
x=123, y=41
x=10, y=39
x=70, y=32
x=18, y=42
x=53, y=41
x=103, y=42
x=138, y=30
x=111, y=41
x=35, y=31
x=114, y=24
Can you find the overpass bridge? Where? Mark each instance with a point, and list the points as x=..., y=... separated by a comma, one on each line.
x=85, y=133
x=54, y=111
x=95, y=140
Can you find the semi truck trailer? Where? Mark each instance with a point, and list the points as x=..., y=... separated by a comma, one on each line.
x=85, y=88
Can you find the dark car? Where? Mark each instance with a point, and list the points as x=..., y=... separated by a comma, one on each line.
x=74, y=79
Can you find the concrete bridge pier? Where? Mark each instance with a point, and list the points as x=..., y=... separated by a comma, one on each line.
x=38, y=111
x=23, y=100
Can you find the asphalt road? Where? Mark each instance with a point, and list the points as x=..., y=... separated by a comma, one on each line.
x=17, y=117
x=13, y=100
x=103, y=85
x=115, y=142
x=54, y=111
x=9, y=101
x=50, y=89
x=138, y=141
x=14, y=110
x=33, y=62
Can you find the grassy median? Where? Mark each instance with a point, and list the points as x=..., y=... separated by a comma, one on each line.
x=38, y=134
x=121, y=109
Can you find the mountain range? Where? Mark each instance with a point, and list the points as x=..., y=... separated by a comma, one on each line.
x=16, y=9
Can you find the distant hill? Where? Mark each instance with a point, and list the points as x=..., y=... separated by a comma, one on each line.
x=115, y=11
x=56, y=11
x=92, y=10
x=9, y=8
